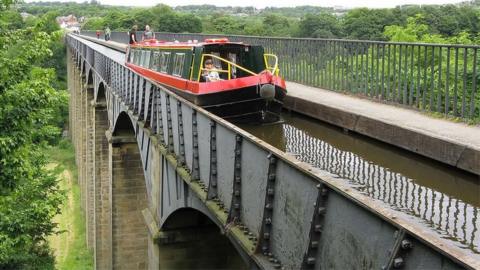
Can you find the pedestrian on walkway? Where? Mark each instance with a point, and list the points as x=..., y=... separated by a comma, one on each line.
x=108, y=32
x=98, y=33
x=132, y=35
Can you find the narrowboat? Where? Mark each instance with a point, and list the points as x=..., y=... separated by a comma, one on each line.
x=245, y=88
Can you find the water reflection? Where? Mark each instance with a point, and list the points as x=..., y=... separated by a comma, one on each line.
x=445, y=198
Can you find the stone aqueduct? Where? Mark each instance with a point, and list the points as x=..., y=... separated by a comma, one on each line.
x=166, y=185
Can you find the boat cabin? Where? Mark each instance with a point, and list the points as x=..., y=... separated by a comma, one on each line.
x=186, y=60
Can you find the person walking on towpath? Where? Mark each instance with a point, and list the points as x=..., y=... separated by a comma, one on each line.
x=108, y=32
x=132, y=35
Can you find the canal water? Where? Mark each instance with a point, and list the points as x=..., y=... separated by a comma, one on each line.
x=443, y=197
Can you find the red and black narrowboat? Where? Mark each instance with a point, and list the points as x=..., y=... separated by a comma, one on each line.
x=248, y=89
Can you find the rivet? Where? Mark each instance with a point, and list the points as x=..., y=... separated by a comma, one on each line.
x=270, y=191
x=318, y=228
x=321, y=210
x=398, y=262
x=277, y=266
x=271, y=177
x=311, y=260
x=266, y=236
x=268, y=206
x=237, y=206
x=406, y=244
x=237, y=193
x=314, y=244
x=271, y=260
x=268, y=221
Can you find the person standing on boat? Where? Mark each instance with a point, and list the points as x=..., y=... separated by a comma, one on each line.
x=209, y=72
x=133, y=35
x=148, y=34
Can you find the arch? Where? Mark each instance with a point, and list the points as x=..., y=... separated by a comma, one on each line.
x=100, y=98
x=189, y=231
x=90, y=77
x=123, y=125
x=83, y=66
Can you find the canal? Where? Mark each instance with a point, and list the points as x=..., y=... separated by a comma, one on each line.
x=442, y=197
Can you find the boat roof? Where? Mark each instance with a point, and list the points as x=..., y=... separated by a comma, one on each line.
x=154, y=43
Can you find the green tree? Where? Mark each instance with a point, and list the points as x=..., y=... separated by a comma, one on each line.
x=367, y=24
x=276, y=25
x=10, y=20
x=323, y=25
x=29, y=194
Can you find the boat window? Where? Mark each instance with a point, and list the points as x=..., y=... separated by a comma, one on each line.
x=232, y=57
x=164, y=58
x=178, y=64
x=133, y=54
x=156, y=61
x=142, y=58
x=146, y=61
x=137, y=57
x=130, y=56
x=217, y=63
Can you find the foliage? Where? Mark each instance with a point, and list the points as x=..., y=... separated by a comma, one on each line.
x=29, y=194
x=368, y=24
x=323, y=25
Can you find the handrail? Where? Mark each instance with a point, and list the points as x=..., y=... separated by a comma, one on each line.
x=221, y=70
x=274, y=68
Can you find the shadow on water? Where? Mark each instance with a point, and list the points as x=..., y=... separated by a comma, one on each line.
x=446, y=198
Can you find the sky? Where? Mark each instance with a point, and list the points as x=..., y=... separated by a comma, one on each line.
x=276, y=3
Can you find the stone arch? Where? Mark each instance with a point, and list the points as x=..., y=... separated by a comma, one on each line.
x=129, y=246
x=90, y=76
x=189, y=231
x=101, y=98
x=123, y=125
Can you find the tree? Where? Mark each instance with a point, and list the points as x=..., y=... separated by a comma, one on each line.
x=10, y=20
x=323, y=25
x=367, y=24
x=276, y=25
x=29, y=194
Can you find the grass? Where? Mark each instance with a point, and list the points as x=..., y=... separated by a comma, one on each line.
x=69, y=246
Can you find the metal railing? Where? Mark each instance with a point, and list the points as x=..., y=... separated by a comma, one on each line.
x=439, y=78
